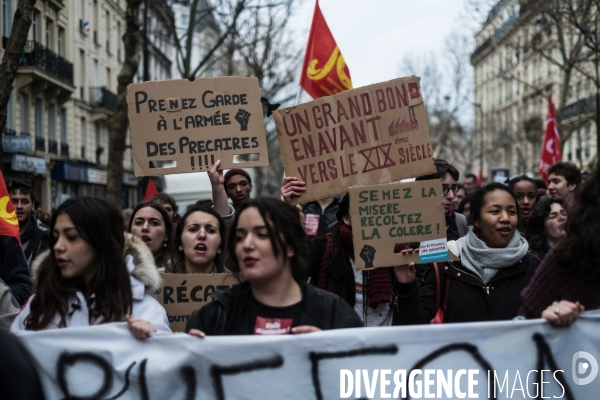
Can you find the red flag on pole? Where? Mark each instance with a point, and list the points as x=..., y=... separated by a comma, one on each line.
x=324, y=71
x=480, y=178
x=9, y=224
x=150, y=190
x=551, y=152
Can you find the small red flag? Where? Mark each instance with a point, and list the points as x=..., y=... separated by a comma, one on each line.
x=150, y=190
x=551, y=152
x=324, y=71
x=479, y=178
x=9, y=224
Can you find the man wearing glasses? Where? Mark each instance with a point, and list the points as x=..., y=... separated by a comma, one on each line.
x=456, y=224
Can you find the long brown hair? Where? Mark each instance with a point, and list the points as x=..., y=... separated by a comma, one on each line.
x=101, y=225
x=164, y=255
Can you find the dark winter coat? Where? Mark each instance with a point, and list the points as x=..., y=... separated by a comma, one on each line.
x=327, y=217
x=469, y=299
x=321, y=309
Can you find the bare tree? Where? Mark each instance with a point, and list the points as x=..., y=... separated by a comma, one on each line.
x=120, y=122
x=10, y=60
x=446, y=92
x=267, y=51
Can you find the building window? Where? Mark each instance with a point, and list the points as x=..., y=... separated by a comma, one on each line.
x=63, y=126
x=52, y=122
x=35, y=24
x=39, y=123
x=82, y=74
x=108, y=32
x=7, y=17
x=61, y=42
x=49, y=34
x=83, y=136
x=24, y=114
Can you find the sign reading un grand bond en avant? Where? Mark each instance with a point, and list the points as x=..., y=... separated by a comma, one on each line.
x=181, y=126
x=385, y=215
x=374, y=134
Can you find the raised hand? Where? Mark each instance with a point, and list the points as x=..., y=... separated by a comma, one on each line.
x=367, y=253
x=243, y=117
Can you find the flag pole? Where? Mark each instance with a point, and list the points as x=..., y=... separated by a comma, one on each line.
x=298, y=95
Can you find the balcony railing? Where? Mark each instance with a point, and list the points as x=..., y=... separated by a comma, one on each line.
x=52, y=146
x=10, y=132
x=40, y=144
x=64, y=150
x=36, y=55
x=579, y=107
x=102, y=97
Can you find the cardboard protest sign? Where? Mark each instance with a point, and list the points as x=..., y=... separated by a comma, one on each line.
x=183, y=294
x=374, y=134
x=195, y=124
x=384, y=215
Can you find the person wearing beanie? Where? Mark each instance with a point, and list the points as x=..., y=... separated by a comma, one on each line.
x=238, y=186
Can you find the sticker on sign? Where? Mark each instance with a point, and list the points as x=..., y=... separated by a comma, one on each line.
x=433, y=250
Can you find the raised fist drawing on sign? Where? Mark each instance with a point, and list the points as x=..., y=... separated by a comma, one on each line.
x=368, y=255
x=243, y=117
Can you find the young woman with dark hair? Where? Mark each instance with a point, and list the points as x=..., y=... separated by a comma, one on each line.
x=494, y=267
x=270, y=250
x=91, y=275
x=525, y=191
x=547, y=225
x=200, y=241
x=150, y=222
x=569, y=277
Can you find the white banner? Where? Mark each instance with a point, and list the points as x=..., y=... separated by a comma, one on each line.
x=519, y=359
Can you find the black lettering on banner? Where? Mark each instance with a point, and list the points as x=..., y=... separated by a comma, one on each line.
x=369, y=351
x=217, y=371
x=545, y=352
x=143, y=383
x=189, y=376
x=67, y=360
x=469, y=348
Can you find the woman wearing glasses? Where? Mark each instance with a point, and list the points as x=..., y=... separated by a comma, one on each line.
x=485, y=284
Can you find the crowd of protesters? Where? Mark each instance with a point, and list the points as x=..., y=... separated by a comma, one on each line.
x=522, y=252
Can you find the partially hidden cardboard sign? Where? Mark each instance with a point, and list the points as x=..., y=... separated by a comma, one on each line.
x=373, y=134
x=384, y=215
x=194, y=124
x=183, y=294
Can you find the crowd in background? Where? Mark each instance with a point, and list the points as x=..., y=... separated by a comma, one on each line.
x=524, y=251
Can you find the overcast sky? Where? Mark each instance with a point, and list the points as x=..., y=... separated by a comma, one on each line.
x=375, y=35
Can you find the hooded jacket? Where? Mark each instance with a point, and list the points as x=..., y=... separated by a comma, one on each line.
x=145, y=280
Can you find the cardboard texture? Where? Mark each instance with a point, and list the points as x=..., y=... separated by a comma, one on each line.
x=183, y=294
x=383, y=215
x=195, y=124
x=373, y=134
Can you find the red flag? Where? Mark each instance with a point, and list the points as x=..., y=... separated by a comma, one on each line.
x=9, y=224
x=551, y=152
x=324, y=71
x=150, y=190
x=480, y=178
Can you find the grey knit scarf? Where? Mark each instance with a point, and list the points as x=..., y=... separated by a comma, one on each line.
x=484, y=261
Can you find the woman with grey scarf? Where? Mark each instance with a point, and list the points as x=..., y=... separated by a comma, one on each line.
x=494, y=266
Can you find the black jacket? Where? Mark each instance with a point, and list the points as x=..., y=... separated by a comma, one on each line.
x=327, y=217
x=35, y=239
x=469, y=299
x=321, y=309
x=14, y=270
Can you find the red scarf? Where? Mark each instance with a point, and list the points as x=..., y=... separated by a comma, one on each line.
x=379, y=280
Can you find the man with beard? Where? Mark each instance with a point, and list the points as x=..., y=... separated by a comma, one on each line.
x=35, y=237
